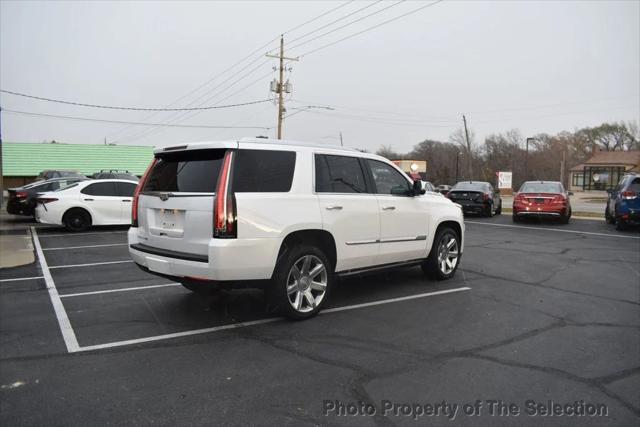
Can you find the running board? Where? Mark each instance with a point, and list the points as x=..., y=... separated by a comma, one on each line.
x=379, y=268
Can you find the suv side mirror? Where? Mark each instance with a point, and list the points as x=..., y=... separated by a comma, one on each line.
x=418, y=188
x=570, y=193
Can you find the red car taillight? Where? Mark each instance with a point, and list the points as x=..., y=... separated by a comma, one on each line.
x=486, y=197
x=21, y=194
x=224, y=205
x=629, y=194
x=559, y=199
x=136, y=194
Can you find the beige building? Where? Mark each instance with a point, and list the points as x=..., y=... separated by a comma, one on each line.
x=603, y=170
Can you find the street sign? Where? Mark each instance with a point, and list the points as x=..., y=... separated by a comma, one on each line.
x=504, y=179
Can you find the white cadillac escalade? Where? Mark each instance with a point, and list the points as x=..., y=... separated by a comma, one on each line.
x=293, y=215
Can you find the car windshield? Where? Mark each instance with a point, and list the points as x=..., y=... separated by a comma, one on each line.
x=470, y=186
x=541, y=187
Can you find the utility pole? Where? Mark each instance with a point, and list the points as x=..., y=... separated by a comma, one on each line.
x=341, y=143
x=280, y=86
x=466, y=133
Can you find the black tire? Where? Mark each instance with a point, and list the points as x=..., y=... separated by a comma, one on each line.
x=488, y=212
x=621, y=225
x=432, y=265
x=564, y=219
x=76, y=219
x=607, y=216
x=499, y=210
x=284, y=279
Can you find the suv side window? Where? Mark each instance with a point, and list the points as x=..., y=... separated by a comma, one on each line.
x=101, y=189
x=388, y=180
x=339, y=174
x=635, y=185
x=263, y=171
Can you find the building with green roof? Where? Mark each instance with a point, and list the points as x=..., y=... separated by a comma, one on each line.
x=22, y=162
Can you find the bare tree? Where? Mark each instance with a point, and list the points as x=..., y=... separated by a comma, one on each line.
x=388, y=152
x=458, y=138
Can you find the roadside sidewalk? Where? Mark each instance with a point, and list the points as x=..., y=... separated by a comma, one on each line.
x=16, y=248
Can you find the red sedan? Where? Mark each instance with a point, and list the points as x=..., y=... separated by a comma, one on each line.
x=542, y=199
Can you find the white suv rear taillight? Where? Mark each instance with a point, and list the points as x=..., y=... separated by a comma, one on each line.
x=136, y=194
x=224, y=205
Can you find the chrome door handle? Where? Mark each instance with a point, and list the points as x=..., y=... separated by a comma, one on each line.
x=388, y=208
x=334, y=208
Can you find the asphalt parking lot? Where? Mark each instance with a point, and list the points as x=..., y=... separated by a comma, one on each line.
x=537, y=312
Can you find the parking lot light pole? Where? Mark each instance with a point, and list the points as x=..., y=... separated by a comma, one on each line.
x=457, y=160
x=526, y=158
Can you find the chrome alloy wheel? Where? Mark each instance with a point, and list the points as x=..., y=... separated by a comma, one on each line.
x=447, y=254
x=306, y=283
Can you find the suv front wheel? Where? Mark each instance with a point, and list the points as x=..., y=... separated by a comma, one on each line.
x=444, y=257
x=301, y=282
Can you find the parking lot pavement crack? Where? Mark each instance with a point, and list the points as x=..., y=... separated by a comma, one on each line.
x=540, y=285
x=559, y=373
x=355, y=386
x=624, y=374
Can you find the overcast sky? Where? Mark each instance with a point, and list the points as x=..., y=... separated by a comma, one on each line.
x=538, y=66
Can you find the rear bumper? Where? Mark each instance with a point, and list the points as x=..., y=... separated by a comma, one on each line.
x=632, y=216
x=471, y=207
x=540, y=211
x=226, y=260
x=15, y=207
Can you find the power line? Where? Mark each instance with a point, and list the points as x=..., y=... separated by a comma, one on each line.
x=188, y=115
x=418, y=116
x=110, y=107
x=236, y=64
x=317, y=17
x=334, y=22
x=347, y=24
x=89, y=119
x=370, y=28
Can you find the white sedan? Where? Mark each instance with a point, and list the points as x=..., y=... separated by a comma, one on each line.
x=88, y=203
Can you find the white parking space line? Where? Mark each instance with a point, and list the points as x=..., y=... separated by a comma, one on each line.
x=258, y=322
x=554, y=229
x=90, y=264
x=392, y=300
x=108, y=291
x=82, y=234
x=21, y=278
x=68, y=334
x=62, y=248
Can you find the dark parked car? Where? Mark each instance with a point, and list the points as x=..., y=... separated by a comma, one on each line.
x=22, y=200
x=50, y=174
x=476, y=197
x=115, y=174
x=623, y=204
x=542, y=199
x=443, y=188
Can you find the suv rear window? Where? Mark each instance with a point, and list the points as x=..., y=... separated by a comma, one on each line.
x=263, y=171
x=191, y=171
